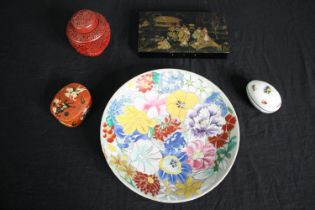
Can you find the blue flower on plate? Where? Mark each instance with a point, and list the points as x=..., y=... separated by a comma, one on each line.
x=173, y=166
x=217, y=100
x=175, y=141
x=114, y=109
x=170, y=81
x=124, y=140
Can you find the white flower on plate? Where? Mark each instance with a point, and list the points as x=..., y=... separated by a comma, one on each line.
x=166, y=192
x=196, y=85
x=144, y=156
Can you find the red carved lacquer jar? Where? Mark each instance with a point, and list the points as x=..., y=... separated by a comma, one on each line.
x=88, y=32
x=71, y=104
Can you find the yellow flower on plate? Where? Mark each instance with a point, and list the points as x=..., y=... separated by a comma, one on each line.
x=111, y=148
x=189, y=188
x=128, y=170
x=117, y=162
x=179, y=102
x=131, y=84
x=134, y=119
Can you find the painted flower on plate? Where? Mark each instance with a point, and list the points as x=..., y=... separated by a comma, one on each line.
x=145, y=82
x=205, y=120
x=128, y=170
x=216, y=99
x=167, y=191
x=123, y=140
x=179, y=102
x=147, y=183
x=200, y=155
x=152, y=103
x=189, y=188
x=117, y=161
x=173, y=166
x=114, y=109
x=134, y=119
x=165, y=128
x=196, y=85
x=175, y=142
x=219, y=140
x=170, y=81
x=230, y=122
x=144, y=156
x=111, y=148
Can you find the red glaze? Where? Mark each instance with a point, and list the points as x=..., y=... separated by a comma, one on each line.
x=71, y=104
x=88, y=32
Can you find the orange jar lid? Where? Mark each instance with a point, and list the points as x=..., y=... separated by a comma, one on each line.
x=84, y=21
x=86, y=26
x=71, y=104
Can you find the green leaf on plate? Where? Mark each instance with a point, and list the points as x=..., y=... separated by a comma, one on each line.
x=109, y=121
x=232, y=138
x=216, y=167
x=228, y=155
x=155, y=77
x=231, y=146
x=221, y=151
x=230, y=110
x=151, y=132
x=219, y=158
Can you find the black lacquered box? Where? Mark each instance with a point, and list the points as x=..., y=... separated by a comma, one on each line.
x=182, y=34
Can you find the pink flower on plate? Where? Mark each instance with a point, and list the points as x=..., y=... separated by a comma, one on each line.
x=200, y=155
x=153, y=104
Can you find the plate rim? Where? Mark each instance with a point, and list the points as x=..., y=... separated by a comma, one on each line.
x=195, y=196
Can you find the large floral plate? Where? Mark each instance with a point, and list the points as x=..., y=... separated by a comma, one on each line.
x=170, y=135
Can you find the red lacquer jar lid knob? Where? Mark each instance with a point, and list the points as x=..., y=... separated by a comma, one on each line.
x=84, y=21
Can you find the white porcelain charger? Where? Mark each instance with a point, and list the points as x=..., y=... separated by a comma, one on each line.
x=170, y=135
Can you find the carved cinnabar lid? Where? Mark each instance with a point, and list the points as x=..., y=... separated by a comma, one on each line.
x=87, y=26
x=84, y=21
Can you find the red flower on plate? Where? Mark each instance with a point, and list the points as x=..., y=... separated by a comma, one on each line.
x=230, y=122
x=147, y=183
x=145, y=82
x=219, y=140
x=108, y=133
x=167, y=127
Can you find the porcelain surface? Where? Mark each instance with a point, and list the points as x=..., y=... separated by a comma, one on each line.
x=170, y=135
x=263, y=96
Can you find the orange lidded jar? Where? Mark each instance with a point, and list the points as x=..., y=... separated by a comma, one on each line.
x=88, y=32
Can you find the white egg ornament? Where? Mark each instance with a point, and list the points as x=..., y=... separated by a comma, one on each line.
x=263, y=96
